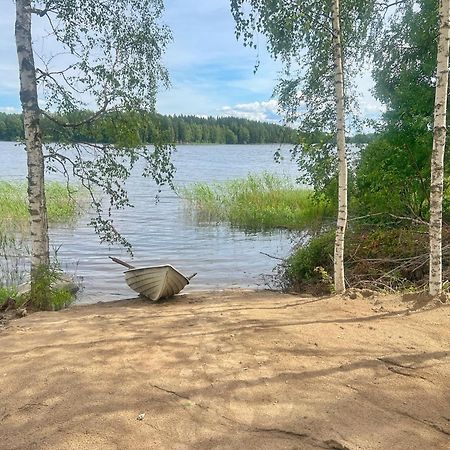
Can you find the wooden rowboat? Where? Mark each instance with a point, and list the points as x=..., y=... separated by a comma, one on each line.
x=154, y=282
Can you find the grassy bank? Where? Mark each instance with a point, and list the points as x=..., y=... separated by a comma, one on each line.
x=61, y=203
x=14, y=270
x=258, y=202
x=63, y=207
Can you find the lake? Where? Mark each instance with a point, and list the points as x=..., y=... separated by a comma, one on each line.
x=166, y=232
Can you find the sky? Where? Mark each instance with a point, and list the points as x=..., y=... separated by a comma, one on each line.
x=211, y=72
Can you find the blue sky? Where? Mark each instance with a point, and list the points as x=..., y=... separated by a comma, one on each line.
x=211, y=73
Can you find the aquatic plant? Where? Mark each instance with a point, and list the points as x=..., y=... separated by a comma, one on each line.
x=14, y=254
x=258, y=202
x=63, y=203
x=63, y=207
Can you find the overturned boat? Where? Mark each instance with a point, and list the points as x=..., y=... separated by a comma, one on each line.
x=154, y=282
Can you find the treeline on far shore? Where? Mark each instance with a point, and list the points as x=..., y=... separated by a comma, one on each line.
x=156, y=127
x=175, y=129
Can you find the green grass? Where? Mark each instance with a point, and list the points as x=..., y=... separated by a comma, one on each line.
x=63, y=206
x=46, y=295
x=7, y=292
x=55, y=300
x=258, y=202
x=61, y=203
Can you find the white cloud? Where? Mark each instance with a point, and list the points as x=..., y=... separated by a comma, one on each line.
x=9, y=109
x=186, y=98
x=371, y=106
x=208, y=67
x=262, y=111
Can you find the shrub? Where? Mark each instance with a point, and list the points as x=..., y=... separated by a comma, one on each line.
x=6, y=293
x=384, y=258
x=46, y=294
x=300, y=270
x=393, y=177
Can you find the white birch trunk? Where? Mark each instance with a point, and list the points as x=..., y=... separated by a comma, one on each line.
x=33, y=141
x=339, y=278
x=437, y=156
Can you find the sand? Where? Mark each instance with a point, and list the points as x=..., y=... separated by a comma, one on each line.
x=229, y=370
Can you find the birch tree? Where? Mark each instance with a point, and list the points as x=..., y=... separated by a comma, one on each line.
x=339, y=274
x=437, y=156
x=105, y=56
x=308, y=36
x=33, y=138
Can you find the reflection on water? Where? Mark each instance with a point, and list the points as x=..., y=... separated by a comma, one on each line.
x=165, y=233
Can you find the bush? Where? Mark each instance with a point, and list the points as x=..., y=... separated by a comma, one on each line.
x=45, y=293
x=6, y=293
x=384, y=258
x=301, y=265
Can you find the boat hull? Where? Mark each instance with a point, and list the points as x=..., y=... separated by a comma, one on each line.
x=156, y=282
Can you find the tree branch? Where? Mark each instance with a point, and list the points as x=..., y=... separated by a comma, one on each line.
x=90, y=119
x=40, y=12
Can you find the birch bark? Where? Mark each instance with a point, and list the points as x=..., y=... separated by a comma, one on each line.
x=339, y=277
x=437, y=156
x=33, y=141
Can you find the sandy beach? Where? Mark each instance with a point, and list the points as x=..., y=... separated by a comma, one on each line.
x=229, y=370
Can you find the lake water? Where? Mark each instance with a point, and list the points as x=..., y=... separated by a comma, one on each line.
x=166, y=232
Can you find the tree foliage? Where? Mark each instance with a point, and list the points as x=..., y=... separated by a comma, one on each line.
x=108, y=59
x=394, y=170
x=392, y=175
x=320, y=45
x=300, y=35
x=115, y=49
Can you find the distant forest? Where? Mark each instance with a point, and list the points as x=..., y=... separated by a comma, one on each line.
x=175, y=129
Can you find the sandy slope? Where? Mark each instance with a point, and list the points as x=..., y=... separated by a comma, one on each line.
x=231, y=370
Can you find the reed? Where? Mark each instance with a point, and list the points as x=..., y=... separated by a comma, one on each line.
x=62, y=203
x=63, y=206
x=258, y=202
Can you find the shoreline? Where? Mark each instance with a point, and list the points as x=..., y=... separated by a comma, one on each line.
x=232, y=369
